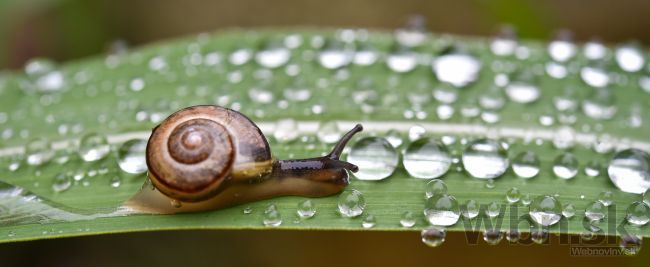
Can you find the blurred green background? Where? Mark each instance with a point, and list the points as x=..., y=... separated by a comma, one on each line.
x=69, y=29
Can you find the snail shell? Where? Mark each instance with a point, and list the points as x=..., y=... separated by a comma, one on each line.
x=198, y=148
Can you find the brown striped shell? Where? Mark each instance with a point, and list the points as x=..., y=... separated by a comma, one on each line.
x=195, y=150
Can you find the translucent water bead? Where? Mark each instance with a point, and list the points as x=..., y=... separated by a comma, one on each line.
x=629, y=170
x=39, y=151
x=351, y=203
x=485, y=159
x=93, y=147
x=442, y=210
x=526, y=164
x=433, y=236
x=545, y=210
x=426, y=158
x=376, y=157
x=131, y=156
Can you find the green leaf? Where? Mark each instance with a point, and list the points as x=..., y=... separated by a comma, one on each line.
x=98, y=97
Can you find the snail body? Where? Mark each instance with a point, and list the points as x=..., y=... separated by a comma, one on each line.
x=210, y=157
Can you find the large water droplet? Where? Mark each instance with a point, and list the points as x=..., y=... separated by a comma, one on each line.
x=131, y=156
x=526, y=164
x=93, y=147
x=456, y=67
x=566, y=166
x=485, y=159
x=629, y=170
x=39, y=151
x=376, y=158
x=351, y=203
x=426, y=158
x=545, y=210
x=638, y=213
x=442, y=209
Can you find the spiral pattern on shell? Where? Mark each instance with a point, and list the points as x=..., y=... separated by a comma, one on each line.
x=195, y=150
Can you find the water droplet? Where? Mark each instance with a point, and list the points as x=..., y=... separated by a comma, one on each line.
x=329, y=132
x=470, y=209
x=335, y=55
x=562, y=48
x=545, y=210
x=365, y=55
x=61, y=183
x=526, y=164
x=568, y=211
x=456, y=67
x=485, y=159
x=595, y=211
x=492, y=236
x=605, y=197
x=567, y=100
x=401, y=59
x=272, y=217
x=523, y=88
x=286, y=130
x=513, y=195
x=351, y=203
x=426, y=158
x=595, y=50
x=39, y=151
x=44, y=75
x=176, y=204
x=492, y=99
x=600, y=104
x=416, y=132
x=433, y=236
x=489, y=184
x=394, y=137
x=646, y=197
x=136, y=84
x=526, y=199
x=273, y=55
x=407, y=220
x=493, y=210
x=565, y=166
x=93, y=147
x=539, y=236
x=435, y=187
x=442, y=209
x=306, y=209
x=595, y=75
x=369, y=221
x=414, y=33
x=116, y=181
x=629, y=170
x=131, y=156
x=638, y=213
x=247, y=210
x=513, y=235
x=631, y=244
x=240, y=56
x=592, y=169
x=505, y=43
x=564, y=138
x=375, y=156
x=630, y=57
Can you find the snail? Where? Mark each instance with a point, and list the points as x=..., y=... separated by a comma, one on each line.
x=209, y=157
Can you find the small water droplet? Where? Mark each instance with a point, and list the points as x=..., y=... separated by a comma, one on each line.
x=638, y=213
x=605, y=197
x=407, y=220
x=489, y=184
x=492, y=236
x=39, y=151
x=306, y=209
x=351, y=203
x=376, y=157
x=272, y=217
x=485, y=159
x=286, y=131
x=513, y=195
x=526, y=164
x=523, y=88
x=247, y=210
x=394, y=137
x=545, y=210
x=273, y=55
x=116, y=181
x=433, y=236
x=526, y=199
x=334, y=55
x=61, y=183
x=568, y=211
x=93, y=147
x=630, y=57
x=592, y=169
x=401, y=59
x=562, y=48
x=435, y=187
x=600, y=104
x=329, y=132
x=426, y=158
x=131, y=156
x=629, y=170
x=565, y=166
x=136, y=84
x=513, y=235
x=416, y=132
x=442, y=210
x=470, y=209
x=369, y=221
x=595, y=211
